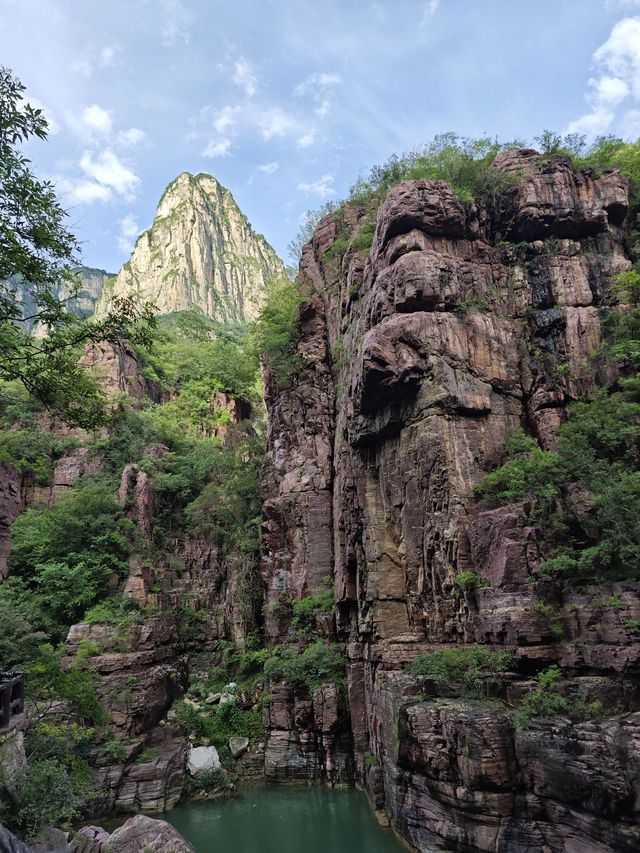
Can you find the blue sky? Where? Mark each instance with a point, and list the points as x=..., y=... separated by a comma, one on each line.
x=287, y=101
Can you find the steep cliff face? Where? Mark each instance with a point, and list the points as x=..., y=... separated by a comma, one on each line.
x=92, y=282
x=420, y=358
x=200, y=252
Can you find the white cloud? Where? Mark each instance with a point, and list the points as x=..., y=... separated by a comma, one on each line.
x=217, y=148
x=108, y=56
x=609, y=90
x=268, y=168
x=244, y=77
x=620, y=54
x=226, y=119
x=306, y=140
x=630, y=124
x=324, y=109
x=82, y=192
x=275, y=122
x=92, y=123
x=129, y=230
x=320, y=86
x=322, y=187
x=131, y=137
x=247, y=118
x=429, y=8
x=175, y=21
x=109, y=171
x=319, y=80
x=617, y=61
x=86, y=65
x=83, y=68
x=592, y=124
x=97, y=119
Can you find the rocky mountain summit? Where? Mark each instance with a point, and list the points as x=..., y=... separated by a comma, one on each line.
x=200, y=252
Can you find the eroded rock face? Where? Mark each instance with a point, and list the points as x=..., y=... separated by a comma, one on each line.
x=117, y=370
x=201, y=253
x=552, y=786
x=10, y=506
x=308, y=735
x=421, y=358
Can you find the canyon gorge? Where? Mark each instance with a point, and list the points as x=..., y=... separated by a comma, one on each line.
x=306, y=575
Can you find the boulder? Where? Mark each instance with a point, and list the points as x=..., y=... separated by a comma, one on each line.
x=203, y=759
x=89, y=839
x=12, y=759
x=52, y=840
x=142, y=833
x=238, y=746
x=10, y=844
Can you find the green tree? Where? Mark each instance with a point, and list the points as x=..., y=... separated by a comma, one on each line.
x=37, y=250
x=306, y=229
x=275, y=333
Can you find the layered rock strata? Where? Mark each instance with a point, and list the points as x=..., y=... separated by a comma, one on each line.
x=420, y=358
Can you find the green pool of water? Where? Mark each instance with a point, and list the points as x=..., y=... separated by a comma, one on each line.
x=284, y=819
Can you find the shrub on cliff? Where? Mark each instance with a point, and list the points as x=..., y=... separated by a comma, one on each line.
x=547, y=700
x=471, y=666
x=276, y=332
x=192, y=358
x=219, y=723
x=49, y=682
x=305, y=610
x=45, y=795
x=318, y=664
x=466, y=164
x=537, y=473
x=598, y=447
x=19, y=640
x=65, y=555
x=24, y=442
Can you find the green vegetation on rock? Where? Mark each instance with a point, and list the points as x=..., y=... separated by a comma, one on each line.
x=276, y=331
x=471, y=666
x=316, y=665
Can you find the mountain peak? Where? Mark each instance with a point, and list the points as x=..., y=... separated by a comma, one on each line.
x=200, y=252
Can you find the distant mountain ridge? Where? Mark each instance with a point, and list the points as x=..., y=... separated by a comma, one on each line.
x=200, y=252
x=92, y=282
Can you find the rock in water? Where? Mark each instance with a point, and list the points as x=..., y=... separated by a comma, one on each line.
x=142, y=833
x=200, y=252
x=203, y=759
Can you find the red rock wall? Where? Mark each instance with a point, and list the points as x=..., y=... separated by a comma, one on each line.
x=420, y=360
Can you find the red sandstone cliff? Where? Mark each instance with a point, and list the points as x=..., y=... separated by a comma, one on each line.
x=420, y=359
